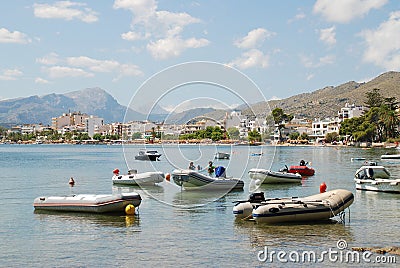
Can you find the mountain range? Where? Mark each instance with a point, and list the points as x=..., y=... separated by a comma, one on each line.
x=325, y=102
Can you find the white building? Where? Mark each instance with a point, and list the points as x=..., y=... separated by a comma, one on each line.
x=93, y=124
x=321, y=127
x=350, y=111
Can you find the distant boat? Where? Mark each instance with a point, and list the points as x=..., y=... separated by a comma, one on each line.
x=134, y=178
x=89, y=203
x=357, y=159
x=221, y=155
x=390, y=156
x=376, y=178
x=148, y=155
x=193, y=180
x=268, y=176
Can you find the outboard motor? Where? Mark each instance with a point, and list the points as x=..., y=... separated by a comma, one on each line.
x=220, y=172
x=256, y=197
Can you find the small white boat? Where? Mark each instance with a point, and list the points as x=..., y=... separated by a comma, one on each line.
x=193, y=180
x=148, y=155
x=376, y=178
x=317, y=207
x=357, y=159
x=134, y=178
x=221, y=155
x=268, y=176
x=390, y=156
x=91, y=203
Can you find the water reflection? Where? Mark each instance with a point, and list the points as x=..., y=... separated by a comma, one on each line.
x=294, y=234
x=76, y=218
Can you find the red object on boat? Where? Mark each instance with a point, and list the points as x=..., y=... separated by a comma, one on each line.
x=302, y=170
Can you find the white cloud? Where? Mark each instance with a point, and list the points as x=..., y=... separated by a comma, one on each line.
x=158, y=28
x=322, y=61
x=383, y=44
x=13, y=37
x=50, y=59
x=132, y=36
x=66, y=10
x=328, y=35
x=251, y=58
x=84, y=66
x=63, y=71
x=343, y=11
x=254, y=38
x=10, y=74
x=173, y=47
x=39, y=80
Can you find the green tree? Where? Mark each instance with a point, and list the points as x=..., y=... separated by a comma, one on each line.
x=374, y=98
x=304, y=136
x=98, y=137
x=254, y=136
x=331, y=137
x=280, y=118
x=294, y=135
x=233, y=133
x=136, y=135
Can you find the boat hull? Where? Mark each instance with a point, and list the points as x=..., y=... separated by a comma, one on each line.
x=390, y=156
x=192, y=180
x=379, y=185
x=147, y=157
x=221, y=155
x=145, y=178
x=268, y=176
x=88, y=203
x=312, y=208
x=302, y=170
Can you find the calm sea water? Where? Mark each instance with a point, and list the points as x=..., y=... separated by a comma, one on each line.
x=174, y=227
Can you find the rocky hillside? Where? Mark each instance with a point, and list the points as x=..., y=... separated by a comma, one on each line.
x=327, y=102
x=35, y=109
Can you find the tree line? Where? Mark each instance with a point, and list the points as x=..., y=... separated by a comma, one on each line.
x=379, y=124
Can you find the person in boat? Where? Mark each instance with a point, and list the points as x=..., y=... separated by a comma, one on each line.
x=191, y=166
x=210, y=168
x=302, y=163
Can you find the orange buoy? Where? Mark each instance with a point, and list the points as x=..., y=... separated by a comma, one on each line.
x=116, y=171
x=168, y=177
x=322, y=188
x=71, y=181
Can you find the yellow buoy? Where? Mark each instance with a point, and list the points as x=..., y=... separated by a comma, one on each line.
x=130, y=209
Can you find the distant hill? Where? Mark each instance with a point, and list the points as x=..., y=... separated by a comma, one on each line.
x=322, y=103
x=35, y=109
x=326, y=102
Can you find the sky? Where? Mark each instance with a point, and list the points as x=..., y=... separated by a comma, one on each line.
x=282, y=48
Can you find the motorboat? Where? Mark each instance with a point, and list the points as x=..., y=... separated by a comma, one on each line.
x=390, y=156
x=149, y=155
x=302, y=169
x=319, y=207
x=376, y=178
x=134, y=178
x=193, y=180
x=89, y=203
x=269, y=176
x=358, y=159
x=221, y=155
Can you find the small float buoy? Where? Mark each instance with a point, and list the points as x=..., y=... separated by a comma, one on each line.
x=322, y=188
x=71, y=181
x=168, y=177
x=130, y=209
x=116, y=171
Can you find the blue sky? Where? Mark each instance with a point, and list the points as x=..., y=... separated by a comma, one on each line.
x=285, y=47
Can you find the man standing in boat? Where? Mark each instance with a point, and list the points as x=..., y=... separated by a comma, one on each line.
x=210, y=168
